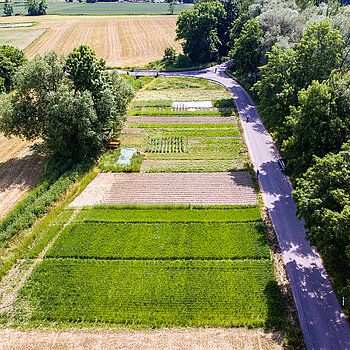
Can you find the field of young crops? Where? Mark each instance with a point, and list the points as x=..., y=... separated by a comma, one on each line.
x=154, y=267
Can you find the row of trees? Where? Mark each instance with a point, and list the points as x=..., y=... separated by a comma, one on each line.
x=34, y=7
x=71, y=103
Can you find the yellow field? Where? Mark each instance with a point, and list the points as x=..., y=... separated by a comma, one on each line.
x=120, y=40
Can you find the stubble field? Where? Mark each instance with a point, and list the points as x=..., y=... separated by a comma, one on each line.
x=121, y=41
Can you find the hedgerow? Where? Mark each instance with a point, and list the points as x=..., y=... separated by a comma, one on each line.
x=155, y=293
x=171, y=214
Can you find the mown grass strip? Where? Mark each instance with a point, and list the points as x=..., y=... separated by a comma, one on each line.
x=172, y=214
x=162, y=241
x=155, y=293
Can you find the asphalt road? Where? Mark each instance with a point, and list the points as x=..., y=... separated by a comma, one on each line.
x=322, y=320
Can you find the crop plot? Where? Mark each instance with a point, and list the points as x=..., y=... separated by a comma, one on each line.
x=166, y=144
x=180, y=270
x=19, y=37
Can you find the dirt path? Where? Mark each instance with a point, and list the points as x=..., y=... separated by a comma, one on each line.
x=20, y=170
x=182, y=339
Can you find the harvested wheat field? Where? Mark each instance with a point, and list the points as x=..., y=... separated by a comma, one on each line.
x=121, y=41
x=20, y=171
x=184, y=339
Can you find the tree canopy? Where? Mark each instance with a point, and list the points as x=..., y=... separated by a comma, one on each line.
x=11, y=58
x=71, y=118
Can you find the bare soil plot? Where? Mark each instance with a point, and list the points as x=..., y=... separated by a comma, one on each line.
x=170, y=188
x=19, y=37
x=121, y=41
x=184, y=339
x=20, y=171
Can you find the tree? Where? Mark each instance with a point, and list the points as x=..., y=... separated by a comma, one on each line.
x=71, y=119
x=11, y=58
x=319, y=125
x=169, y=55
x=246, y=52
x=289, y=71
x=323, y=199
x=36, y=7
x=85, y=70
x=199, y=29
x=171, y=7
x=8, y=9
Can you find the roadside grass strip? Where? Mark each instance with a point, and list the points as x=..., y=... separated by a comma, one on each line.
x=162, y=241
x=119, y=214
x=155, y=293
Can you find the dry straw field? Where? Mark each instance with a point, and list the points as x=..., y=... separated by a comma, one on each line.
x=120, y=40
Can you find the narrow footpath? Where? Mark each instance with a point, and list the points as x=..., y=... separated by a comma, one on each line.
x=322, y=320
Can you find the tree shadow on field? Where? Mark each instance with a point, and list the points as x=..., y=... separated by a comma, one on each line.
x=23, y=173
x=276, y=315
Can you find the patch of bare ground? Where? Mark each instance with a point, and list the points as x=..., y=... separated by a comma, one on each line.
x=20, y=170
x=183, y=338
x=180, y=120
x=223, y=188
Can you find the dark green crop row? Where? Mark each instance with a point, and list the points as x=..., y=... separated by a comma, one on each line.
x=166, y=144
x=162, y=241
x=151, y=293
x=184, y=126
x=169, y=215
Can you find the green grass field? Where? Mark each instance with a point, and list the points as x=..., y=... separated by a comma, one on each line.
x=175, y=266
x=155, y=293
x=114, y=8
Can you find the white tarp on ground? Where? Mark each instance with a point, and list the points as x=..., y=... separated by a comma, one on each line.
x=126, y=155
x=192, y=104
